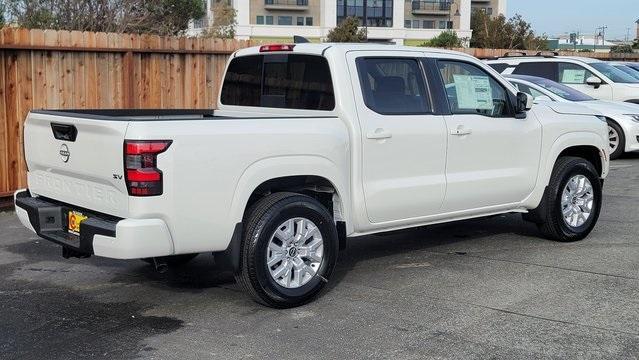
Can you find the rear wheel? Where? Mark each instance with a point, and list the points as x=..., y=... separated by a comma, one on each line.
x=572, y=201
x=616, y=139
x=289, y=250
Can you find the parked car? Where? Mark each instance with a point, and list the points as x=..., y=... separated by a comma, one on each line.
x=622, y=118
x=594, y=77
x=312, y=143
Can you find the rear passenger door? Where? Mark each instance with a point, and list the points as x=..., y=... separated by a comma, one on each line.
x=493, y=157
x=403, y=140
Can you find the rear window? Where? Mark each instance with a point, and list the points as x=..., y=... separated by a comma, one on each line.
x=288, y=81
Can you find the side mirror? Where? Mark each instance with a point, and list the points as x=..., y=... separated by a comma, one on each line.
x=524, y=102
x=542, y=98
x=594, y=81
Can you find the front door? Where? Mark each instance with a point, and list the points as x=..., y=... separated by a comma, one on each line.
x=575, y=76
x=403, y=142
x=493, y=157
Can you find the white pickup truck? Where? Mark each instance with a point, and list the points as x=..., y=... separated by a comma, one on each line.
x=311, y=144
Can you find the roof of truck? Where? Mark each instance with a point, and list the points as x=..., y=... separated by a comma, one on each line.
x=320, y=48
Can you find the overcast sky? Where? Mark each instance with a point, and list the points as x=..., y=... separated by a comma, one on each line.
x=560, y=16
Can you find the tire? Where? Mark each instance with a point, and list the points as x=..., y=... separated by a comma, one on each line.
x=614, y=128
x=274, y=213
x=549, y=216
x=172, y=261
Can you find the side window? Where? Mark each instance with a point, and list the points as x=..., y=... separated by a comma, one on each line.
x=279, y=81
x=573, y=73
x=499, y=67
x=528, y=90
x=547, y=70
x=471, y=90
x=393, y=86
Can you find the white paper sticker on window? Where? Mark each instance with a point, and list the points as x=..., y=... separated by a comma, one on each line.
x=473, y=92
x=574, y=76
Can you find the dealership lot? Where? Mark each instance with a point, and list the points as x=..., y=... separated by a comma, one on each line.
x=475, y=289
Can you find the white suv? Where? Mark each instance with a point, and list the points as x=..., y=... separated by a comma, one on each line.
x=594, y=77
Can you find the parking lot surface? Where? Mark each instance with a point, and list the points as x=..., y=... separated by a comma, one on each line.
x=484, y=288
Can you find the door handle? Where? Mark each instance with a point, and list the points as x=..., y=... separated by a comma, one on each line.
x=379, y=134
x=461, y=131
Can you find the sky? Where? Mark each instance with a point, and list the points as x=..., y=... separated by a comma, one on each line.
x=555, y=17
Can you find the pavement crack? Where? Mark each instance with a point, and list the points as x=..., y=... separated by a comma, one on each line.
x=539, y=265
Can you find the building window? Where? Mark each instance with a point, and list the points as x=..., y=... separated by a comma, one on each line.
x=284, y=20
x=260, y=20
x=374, y=13
x=443, y=24
x=300, y=21
x=309, y=21
x=489, y=11
x=416, y=24
x=407, y=24
x=269, y=20
x=428, y=24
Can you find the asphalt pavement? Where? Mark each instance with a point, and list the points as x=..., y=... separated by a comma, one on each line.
x=484, y=288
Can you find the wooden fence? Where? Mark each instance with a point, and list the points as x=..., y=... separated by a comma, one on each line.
x=82, y=70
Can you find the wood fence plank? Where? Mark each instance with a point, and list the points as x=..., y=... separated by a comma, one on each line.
x=4, y=140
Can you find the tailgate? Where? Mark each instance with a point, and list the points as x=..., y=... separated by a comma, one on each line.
x=85, y=170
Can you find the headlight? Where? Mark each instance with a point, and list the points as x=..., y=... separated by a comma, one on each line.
x=634, y=117
x=602, y=118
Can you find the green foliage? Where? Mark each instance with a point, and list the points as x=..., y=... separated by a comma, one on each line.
x=585, y=50
x=501, y=33
x=447, y=39
x=160, y=17
x=224, y=21
x=622, y=49
x=635, y=44
x=2, y=10
x=347, y=31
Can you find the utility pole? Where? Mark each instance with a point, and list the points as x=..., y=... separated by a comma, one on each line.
x=602, y=31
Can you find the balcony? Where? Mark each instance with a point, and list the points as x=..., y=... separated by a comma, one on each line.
x=295, y=5
x=431, y=7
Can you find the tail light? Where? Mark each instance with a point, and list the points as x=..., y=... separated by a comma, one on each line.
x=143, y=178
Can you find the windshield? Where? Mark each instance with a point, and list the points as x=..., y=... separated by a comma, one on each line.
x=561, y=90
x=628, y=70
x=614, y=74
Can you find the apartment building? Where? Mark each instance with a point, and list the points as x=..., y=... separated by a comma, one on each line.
x=408, y=22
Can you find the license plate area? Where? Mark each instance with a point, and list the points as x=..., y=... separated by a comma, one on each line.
x=74, y=219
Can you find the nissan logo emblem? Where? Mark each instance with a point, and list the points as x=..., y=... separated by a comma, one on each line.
x=64, y=153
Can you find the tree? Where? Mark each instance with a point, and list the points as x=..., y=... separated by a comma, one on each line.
x=501, y=33
x=2, y=10
x=347, y=31
x=622, y=49
x=160, y=17
x=224, y=21
x=447, y=39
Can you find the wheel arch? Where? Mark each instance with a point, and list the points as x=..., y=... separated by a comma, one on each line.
x=312, y=175
x=587, y=145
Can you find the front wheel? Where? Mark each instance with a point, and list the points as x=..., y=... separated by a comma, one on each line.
x=572, y=201
x=289, y=250
x=616, y=140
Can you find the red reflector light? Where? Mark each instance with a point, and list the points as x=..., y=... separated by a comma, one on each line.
x=146, y=147
x=276, y=47
x=143, y=178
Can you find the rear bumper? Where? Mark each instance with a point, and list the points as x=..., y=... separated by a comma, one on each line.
x=100, y=235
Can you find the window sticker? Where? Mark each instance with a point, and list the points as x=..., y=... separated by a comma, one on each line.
x=574, y=76
x=473, y=92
